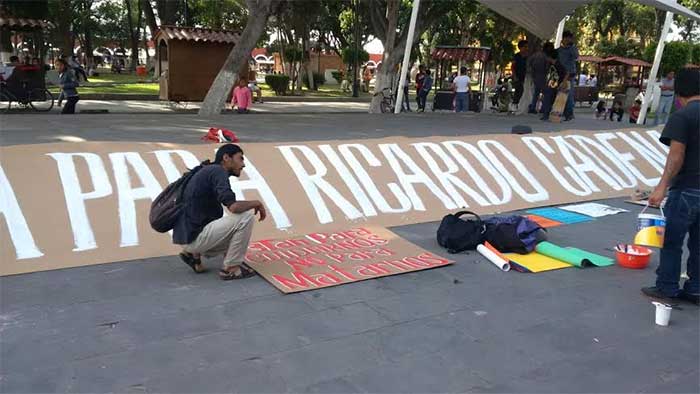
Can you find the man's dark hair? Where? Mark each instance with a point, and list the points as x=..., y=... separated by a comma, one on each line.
x=62, y=61
x=548, y=49
x=567, y=34
x=522, y=43
x=14, y=59
x=463, y=70
x=228, y=149
x=427, y=71
x=421, y=67
x=687, y=83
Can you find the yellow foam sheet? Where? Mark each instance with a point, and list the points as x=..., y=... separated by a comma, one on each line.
x=536, y=262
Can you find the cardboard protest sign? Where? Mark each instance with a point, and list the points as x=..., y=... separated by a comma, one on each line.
x=319, y=260
x=72, y=204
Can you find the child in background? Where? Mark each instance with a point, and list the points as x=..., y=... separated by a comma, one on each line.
x=634, y=111
x=617, y=110
x=242, y=97
x=600, y=110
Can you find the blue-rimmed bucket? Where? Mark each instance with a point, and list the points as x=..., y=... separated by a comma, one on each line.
x=650, y=229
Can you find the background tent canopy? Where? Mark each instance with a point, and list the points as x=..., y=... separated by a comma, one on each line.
x=541, y=17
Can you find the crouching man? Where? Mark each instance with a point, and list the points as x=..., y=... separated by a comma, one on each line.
x=203, y=229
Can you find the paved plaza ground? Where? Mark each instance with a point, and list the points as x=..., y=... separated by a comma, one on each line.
x=153, y=326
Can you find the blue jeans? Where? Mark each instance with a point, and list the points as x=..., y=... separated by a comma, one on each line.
x=569, y=109
x=462, y=102
x=535, y=97
x=664, y=109
x=548, y=97
x=682, y=212
x=405, y=105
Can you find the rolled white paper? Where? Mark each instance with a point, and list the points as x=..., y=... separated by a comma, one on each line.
x=504, y=265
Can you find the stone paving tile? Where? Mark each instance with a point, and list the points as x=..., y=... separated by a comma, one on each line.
x=326, y=360
x=348, y=294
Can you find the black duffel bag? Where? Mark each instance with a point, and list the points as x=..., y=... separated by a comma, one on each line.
x=458, y=235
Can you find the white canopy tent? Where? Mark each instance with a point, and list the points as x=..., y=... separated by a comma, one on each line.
x=542, y=17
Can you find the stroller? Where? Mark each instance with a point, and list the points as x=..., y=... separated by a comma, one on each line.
x=502, y=95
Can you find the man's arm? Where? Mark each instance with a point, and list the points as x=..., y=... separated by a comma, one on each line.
x=674, y=162
x=242, y=206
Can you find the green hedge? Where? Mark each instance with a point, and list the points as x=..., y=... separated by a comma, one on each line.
x=279, y=83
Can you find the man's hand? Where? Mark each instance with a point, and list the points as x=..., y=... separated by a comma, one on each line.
x=657, y=196
x=260, y=210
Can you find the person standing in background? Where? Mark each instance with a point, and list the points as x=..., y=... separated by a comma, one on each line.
x=568, y=56
x=519, y=67
x=666, y=99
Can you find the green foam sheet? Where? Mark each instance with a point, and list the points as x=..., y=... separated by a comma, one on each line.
x=595, y=259
x=559, y=253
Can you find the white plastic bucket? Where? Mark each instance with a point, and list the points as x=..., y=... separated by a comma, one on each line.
x=650, y=229
x=663, y=313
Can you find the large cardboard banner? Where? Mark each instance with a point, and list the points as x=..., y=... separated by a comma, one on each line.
x=320, y=260
x=72, y=204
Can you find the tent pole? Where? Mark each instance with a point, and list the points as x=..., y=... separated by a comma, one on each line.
x=651, y=80
x=560, y=32
x=407, y=55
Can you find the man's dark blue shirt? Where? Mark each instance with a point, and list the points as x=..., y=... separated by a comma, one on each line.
x=204, y=196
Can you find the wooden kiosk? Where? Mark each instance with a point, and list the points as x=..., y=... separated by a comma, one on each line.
x=189, y=59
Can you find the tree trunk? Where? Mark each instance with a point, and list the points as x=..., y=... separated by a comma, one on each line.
x=63, y=26
x=132, y=37
x=307, y=58
x=383, y=78
x=89, y=58
x=258, y=12
x=150, y=16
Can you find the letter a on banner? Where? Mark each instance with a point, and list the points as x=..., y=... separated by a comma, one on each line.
x=25, y=248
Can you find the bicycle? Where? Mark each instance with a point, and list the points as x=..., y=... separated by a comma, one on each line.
x=40, y=99
x=387, y=104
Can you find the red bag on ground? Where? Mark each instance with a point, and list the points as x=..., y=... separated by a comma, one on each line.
x=219, y=135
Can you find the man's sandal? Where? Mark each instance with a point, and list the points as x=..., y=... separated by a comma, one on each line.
x=244, y=272
x=193, y=262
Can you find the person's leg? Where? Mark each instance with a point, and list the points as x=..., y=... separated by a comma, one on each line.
x=569, y=108
x=215, y=238
x=466, y=102
x=407, y=99
x=535, y=97
x=69, y=108
x=519, y=88
x=692, y=285
x=459, y=101
x=238, y=244
x=667, y=103
x=547, y=101
x=668, y=273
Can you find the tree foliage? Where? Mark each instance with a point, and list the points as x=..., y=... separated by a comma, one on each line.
x=676, y=55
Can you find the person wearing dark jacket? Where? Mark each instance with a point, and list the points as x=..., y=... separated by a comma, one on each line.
x=68, y=84
x=202, y=228
x=680, y=186
x=425, y=90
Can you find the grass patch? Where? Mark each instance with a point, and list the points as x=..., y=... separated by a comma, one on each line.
x=127, y=88
x=106, y=76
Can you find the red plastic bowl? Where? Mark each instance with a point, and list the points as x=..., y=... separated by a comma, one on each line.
x=634, y=261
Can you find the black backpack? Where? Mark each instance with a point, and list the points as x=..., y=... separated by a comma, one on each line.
x=458, y=235
x=166, y=208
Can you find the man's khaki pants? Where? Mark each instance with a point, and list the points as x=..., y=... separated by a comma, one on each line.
x=230, y=235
